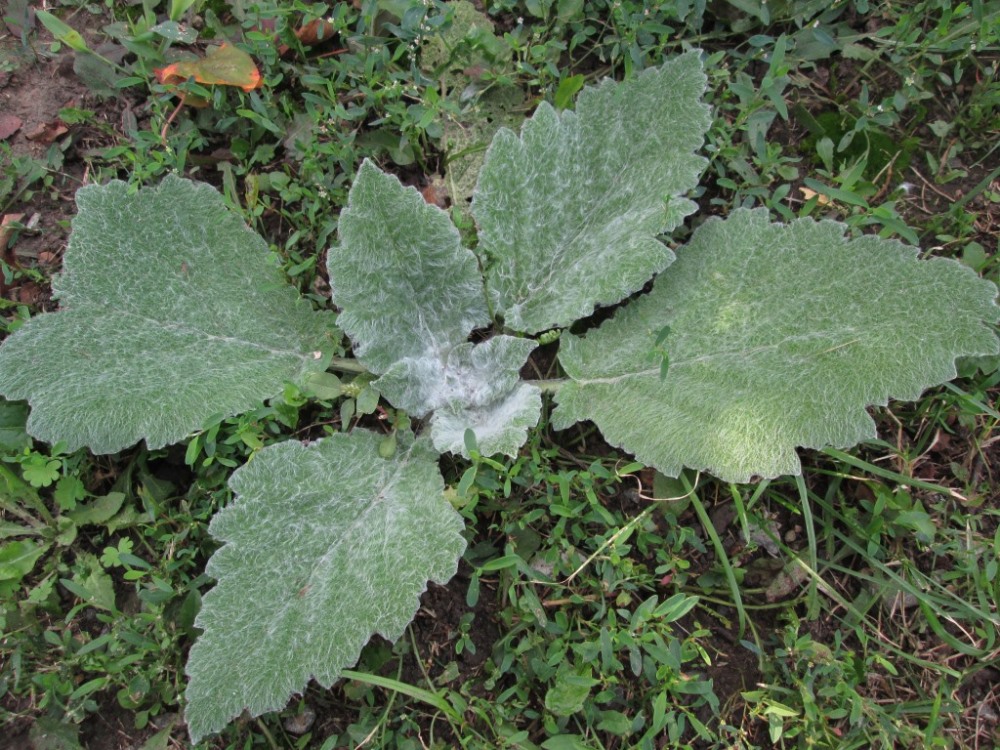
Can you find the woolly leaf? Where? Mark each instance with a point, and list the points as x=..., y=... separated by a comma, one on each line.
x=779, y=337
x=325, y=545
x=405, y=284
x=465, y=375
x=172, y=311
x=568, y=212
x=410, y=295
x=470, y=386
x=500, y=426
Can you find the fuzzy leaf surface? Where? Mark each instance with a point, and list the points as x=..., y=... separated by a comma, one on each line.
x=780, y=336
x=326, y=544
x=471, y=386
x=410, y=295
x=500, y=426
x=464, y=375
x=568, y=212
x=171, y=311
x=404, y=282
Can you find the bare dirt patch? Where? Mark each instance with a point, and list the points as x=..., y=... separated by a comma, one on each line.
x=42, y=154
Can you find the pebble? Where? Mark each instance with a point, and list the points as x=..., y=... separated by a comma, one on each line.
x=300, y=723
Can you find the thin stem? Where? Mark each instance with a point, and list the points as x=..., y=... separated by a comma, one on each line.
x=167, y=124
x=267, y=734
x=720, y=553
x=383, y=722
x=857, y=463
x=624, y=530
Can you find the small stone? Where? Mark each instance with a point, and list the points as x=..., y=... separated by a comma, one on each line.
x=301, y=723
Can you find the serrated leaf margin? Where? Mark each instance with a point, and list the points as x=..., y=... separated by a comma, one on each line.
x=250, y=660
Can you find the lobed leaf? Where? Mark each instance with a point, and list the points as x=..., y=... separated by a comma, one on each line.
x=780, y=336
x=325, y=545
x=568, y=212
x=171, y=311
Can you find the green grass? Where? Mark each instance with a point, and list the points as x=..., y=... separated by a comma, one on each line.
x=599, y=605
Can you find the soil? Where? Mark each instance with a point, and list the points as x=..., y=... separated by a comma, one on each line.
x=31, y=97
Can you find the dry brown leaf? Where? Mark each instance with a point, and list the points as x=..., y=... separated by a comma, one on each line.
x=29, y=293
x=788, y=579
x=820, y=198
x=47, y=132
x=316, y=31
x=435, y=192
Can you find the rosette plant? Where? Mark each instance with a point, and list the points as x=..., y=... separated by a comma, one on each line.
x=778, y=337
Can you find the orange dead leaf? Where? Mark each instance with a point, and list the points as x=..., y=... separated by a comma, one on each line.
x=435, y=193
x=316, y=31
x=223, y=66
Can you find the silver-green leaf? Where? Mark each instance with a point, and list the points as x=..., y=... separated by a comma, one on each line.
x=172, y=311
x=471, y=386
x=568, y=212
x=779, y=336
x=404, y=282
x=500, y=426
x=410, y=295
x=325, y=545
x=464, y=375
